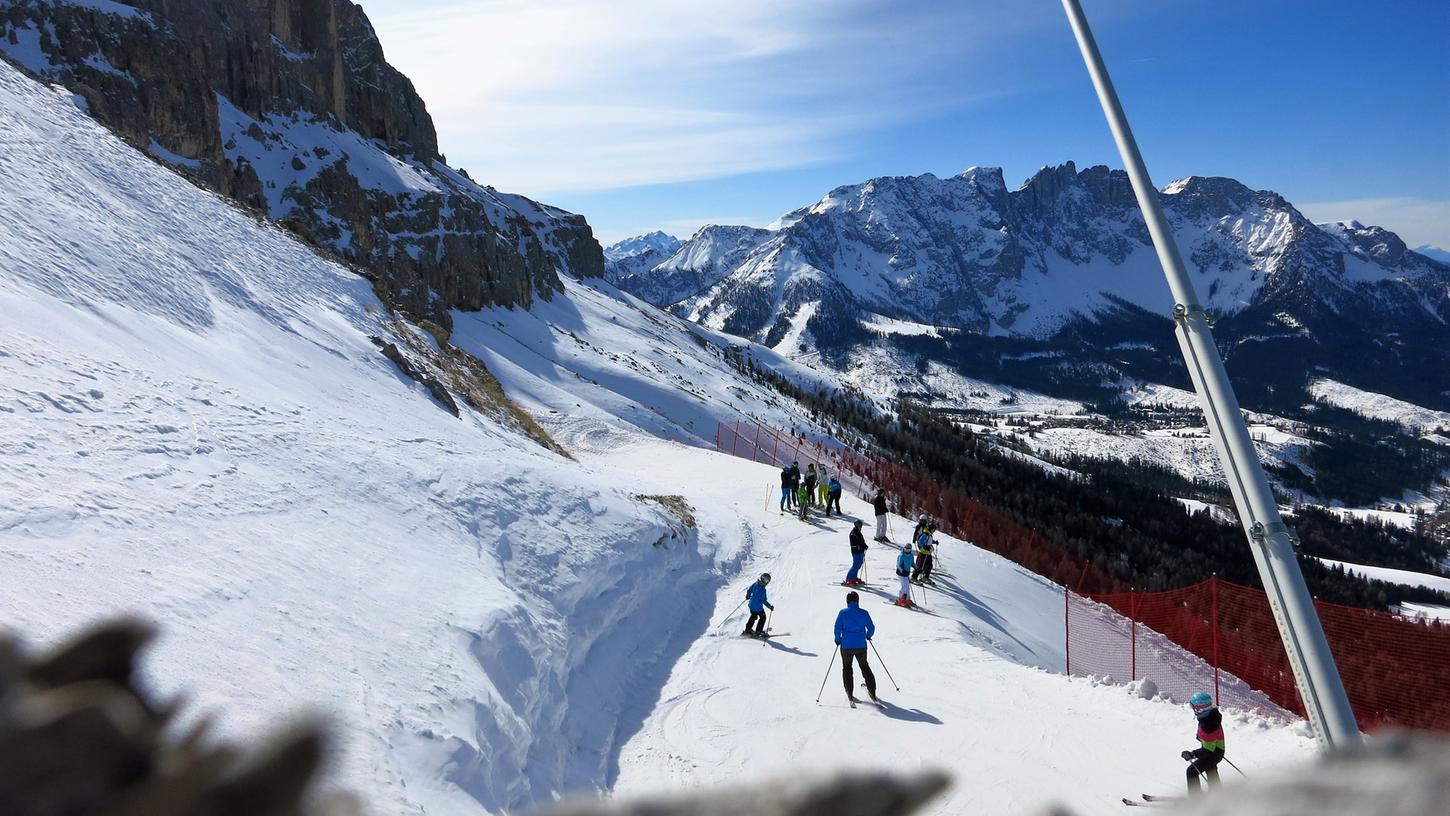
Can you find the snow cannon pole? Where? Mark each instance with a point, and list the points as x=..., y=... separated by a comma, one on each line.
x=1270, y=540
x=883, y=664
x=831, y=663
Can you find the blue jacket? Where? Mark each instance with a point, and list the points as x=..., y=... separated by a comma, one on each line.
x=756, y=595
x=905, y=562
x=853, y=627
x=834, y=486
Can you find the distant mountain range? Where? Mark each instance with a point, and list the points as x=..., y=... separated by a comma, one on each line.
x=1055, y=286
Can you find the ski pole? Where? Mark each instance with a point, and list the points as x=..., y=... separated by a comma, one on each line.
x=878, y=660
x=732, y=612
x=828, y=674
x=1235, y=767
x=769, y=616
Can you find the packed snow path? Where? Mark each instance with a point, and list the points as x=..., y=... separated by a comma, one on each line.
x=972, y=698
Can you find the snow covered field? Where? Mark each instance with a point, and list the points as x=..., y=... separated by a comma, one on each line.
x=195, y=427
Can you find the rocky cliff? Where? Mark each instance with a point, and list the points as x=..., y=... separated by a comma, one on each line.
x=289, y=107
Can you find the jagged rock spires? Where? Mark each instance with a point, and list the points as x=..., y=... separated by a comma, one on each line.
x=289, y=107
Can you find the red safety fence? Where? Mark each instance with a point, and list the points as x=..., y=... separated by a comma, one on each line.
x=1222, y=635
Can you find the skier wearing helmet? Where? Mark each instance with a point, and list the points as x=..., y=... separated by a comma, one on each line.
x=1203, y=760
x=854, y=629
x=755, y=626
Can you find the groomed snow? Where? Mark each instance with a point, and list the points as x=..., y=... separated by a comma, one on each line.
x=1379, y=406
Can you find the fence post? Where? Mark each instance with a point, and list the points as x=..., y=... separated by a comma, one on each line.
x=1066, y=632
x=1213, y=605
x=717, y=435
x=1133, y=635
x=774, y=442
x=735, y=440
x=755, y=446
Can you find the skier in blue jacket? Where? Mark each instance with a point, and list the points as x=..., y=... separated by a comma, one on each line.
x=755, y=626
x=904, y=564
x=853, y=629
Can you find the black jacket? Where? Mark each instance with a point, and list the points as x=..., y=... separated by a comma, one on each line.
x=858, y=541
x=880, y=504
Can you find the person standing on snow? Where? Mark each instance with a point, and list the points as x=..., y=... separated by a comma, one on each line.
x=1203, y=760
x=833, y=496
x=925, y=549
x=823, y=490
x=858, y=555
x=879, y=504
x=795, y=483
x=758, y=604
x=810, y=482
x=903, y=570
x=787, y=501
x=853, y=630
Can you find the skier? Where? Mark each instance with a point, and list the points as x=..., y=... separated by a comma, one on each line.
x=858, y=555
x=786, y=500
x=810, y=481
x=823, y=490
x=921, y=524
x=833, y=496
x=802, y=500
x=1204, y=759
x=755, y=626
x=880, y=505
x=925, y=547
x=853, y=629
x=795, y=482
x=903, y=569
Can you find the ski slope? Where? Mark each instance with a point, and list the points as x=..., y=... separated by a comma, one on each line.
x=196, y=428
x=979, y=696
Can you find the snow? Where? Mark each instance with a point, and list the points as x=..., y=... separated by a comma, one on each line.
x=1422, y=611
x=1379, y=406
x=1388, y=518
x=1394, y=576
x=890, y=325
x=26, y=48
x=155, y=149
x=199, y=430
x=108, y=7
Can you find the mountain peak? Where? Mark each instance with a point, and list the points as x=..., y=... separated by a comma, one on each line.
x=657, y=241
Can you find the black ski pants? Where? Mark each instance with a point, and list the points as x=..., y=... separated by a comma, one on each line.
x=850, y=680
x=923, y=567
x=1206, y=767
x=833, y=500
x=757, y=620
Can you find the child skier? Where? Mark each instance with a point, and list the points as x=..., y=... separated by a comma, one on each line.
x=823, y=490
x=903, y=569
x=879, y=505
x=833, y=496
x=1204, y=759
x=858, y=555
x=853, y=629
x=802, y=500
x=755, y=626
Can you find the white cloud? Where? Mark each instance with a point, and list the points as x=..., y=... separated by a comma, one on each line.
x=550, y=96
x=1418, y=221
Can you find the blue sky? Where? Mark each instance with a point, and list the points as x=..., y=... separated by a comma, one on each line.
x=668, y=114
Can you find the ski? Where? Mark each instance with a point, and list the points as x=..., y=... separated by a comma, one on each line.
x=1148, y=797
x=1149, y=803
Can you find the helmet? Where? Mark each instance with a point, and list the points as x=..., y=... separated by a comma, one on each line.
x=852, y=597
x=1200, y=702
x=923, y=518
x=765, y=578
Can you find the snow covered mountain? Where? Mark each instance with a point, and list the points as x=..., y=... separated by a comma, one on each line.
x=1063, y=267
x=291, y=109
x=199, y=428
x=652, y=242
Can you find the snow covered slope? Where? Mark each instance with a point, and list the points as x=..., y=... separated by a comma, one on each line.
x=197, y=428
x=977, y=693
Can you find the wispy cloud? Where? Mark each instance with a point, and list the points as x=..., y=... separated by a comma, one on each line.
x=1417, y=220
x=545, y=96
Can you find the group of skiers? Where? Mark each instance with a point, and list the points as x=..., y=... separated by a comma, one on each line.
x=800, y=491
x=854, y=628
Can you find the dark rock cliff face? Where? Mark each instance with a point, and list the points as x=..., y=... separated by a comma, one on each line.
x=289, y=107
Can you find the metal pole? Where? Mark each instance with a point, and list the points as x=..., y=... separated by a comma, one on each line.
x=1270, y=540
x=1066, y=632
x=1133, y=634
x=883, y=664
x=828, y=674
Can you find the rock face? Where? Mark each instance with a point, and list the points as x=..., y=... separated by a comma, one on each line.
x=1060, y=278
x=289, y=107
